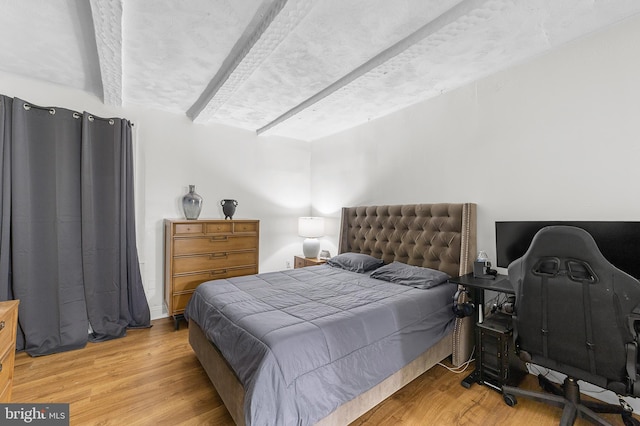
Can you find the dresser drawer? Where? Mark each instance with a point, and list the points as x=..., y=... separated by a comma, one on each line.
x=180, y=302
x=189, y=282
x=6, y=374
x=8, y=323
x=212, y=244
x=207, y=262
x=188, y=228
x=186, y=284
x=218, y=227
x=245, y=227
x=6, y=330
x=299, y=262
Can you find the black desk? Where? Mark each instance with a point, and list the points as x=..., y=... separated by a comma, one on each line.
x=500, y=283
x=477, y=287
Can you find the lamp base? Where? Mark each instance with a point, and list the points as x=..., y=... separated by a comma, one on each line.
x=311, y=247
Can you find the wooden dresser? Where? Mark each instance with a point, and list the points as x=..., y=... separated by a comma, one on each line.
x=8, y=325
x=202, y=250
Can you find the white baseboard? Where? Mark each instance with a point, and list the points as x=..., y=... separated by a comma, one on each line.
x=158, y=312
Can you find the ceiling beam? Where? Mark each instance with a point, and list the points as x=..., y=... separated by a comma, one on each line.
x=264, y=33
x=450, y=16
x=107, y=22
x=81, y=14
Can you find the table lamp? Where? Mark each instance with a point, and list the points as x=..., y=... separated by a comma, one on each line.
x=311, y=228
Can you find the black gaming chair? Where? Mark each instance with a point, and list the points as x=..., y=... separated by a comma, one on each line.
x=579, y=315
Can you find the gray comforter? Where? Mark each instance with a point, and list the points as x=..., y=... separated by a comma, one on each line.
x=304, y=341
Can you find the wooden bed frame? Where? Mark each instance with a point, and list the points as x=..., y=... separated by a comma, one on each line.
x=439, y=236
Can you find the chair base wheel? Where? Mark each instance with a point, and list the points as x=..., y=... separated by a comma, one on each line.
x=509, y=399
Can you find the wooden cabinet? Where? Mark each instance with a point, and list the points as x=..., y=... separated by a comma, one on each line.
x=202, y=250
x=301, y=262
x=8, y=325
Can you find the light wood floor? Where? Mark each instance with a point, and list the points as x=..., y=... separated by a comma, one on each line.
x=152, y=377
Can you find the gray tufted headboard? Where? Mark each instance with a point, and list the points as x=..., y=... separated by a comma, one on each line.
x=438, y=236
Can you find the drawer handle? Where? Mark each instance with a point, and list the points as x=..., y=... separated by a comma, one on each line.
x=218, y=255
x=0, y=366
x=218, y=272
x=222, y=238
x=2, y=325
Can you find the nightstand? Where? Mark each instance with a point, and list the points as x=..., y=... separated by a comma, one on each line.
x=301, y=262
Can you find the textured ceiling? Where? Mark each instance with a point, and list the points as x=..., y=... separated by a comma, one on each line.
x=297, y=68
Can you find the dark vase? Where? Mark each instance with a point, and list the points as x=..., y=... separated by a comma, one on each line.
x=192, y=204
x=228, y=208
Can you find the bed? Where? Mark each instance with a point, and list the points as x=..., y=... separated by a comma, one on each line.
x=254, y=335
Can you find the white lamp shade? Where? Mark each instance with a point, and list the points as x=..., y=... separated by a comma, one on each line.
x=311, y=227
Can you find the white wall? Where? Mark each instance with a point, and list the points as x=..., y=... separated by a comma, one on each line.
x=269, y=176
x=556, y=138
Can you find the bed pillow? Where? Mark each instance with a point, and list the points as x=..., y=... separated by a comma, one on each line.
x=356, y=262
x=414, y=276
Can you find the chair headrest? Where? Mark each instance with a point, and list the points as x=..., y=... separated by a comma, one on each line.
x=568, y=250
x=564, y=241
x=576, y=270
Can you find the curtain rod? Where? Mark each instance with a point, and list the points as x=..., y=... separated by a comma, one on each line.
x=75, y=114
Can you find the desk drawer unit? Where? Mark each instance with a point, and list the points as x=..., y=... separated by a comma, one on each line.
x=203, y=250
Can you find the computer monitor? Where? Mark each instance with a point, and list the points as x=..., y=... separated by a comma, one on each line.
x=619, y=242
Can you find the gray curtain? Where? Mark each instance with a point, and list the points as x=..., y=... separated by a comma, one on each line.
x=5, y=197
x=73, y=258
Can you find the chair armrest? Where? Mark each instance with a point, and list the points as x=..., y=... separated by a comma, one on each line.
x=633, y=363
x=632, y=368
x=634, y=322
